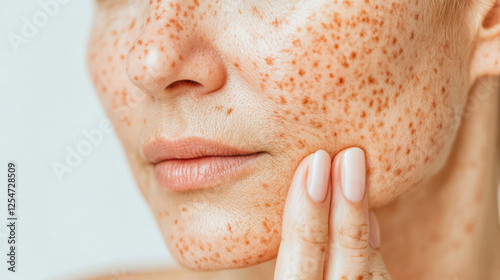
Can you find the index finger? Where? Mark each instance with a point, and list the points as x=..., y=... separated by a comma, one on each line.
x=305, y=221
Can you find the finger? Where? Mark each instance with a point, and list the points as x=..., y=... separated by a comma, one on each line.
x=374, y=231
x=304, y=238
x=377, y=269
x=348, y=252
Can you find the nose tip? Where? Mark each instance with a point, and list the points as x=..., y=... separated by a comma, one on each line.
x=164, y=66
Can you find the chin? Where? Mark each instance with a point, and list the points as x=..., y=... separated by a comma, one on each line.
x=212, y=240
x=220, y=259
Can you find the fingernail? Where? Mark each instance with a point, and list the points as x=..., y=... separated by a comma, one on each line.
x=374, y=231
x=318, y=176
x=353, y=174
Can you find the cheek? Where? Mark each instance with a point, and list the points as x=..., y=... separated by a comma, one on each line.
x=109, y=44
x=360, y=79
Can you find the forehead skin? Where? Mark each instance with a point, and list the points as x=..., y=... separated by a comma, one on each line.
x=291, y=77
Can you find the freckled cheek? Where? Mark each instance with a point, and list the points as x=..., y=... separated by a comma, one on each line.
x=404, y=131
x=302, y=106
x=106, y=60
x=401, y=127
x=414, y=148
x=324, y=112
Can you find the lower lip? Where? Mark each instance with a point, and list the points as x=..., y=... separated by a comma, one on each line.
x=199, y=173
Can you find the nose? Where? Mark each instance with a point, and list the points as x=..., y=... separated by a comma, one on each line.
x=170, y=57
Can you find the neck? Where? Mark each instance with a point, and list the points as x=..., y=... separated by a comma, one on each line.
x=448, y=228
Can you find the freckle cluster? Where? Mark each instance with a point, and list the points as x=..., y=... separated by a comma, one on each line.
x=232, y=245
x=359, y=77
x=108, y=50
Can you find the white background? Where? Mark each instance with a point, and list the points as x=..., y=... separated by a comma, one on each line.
x=95, y=220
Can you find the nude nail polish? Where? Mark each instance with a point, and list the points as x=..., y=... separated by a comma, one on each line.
x=353, y=174
x=318, y=176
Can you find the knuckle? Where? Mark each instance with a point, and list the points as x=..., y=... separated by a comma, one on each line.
x=353, y=236
x=311, y=235
x=378, y=270
x=357, y=257
x=307, y=269
x=297, y=276
x=304, y=265
x=379, y=275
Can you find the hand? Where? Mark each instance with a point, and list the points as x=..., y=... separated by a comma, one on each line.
x=325, y=235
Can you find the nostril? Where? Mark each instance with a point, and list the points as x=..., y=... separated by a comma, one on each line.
x=183, y=82
x=492, y=17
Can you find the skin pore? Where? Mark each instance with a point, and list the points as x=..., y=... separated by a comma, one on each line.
x=292, y=77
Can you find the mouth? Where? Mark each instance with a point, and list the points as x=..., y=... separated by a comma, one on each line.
x=195, y=163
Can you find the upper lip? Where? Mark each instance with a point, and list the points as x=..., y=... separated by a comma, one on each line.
x=161, y=149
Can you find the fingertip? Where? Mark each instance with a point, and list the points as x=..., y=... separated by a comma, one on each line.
x=318, y=176
x=353, y=174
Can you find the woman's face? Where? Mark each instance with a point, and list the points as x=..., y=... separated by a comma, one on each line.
x=283, y=77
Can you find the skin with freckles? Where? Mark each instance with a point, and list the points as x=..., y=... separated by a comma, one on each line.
x=283, y=77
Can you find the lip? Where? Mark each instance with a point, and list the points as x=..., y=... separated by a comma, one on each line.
x=195, y=163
